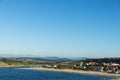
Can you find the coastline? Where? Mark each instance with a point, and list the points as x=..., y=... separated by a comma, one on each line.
x=14, y=66
x=76, y=71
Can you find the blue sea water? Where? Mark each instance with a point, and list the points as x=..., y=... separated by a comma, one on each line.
x=14, y=73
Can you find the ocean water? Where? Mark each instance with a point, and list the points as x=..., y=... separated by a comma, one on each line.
x=14, y=73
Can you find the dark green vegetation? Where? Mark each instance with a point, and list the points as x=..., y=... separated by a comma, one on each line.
x=106, y=60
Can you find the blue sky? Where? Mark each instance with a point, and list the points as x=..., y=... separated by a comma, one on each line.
x=63, y=28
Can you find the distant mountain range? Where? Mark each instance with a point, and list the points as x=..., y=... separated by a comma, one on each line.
x=63, y=59
x=56, y=59
x=43, y=58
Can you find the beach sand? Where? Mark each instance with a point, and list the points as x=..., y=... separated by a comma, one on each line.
x=116, y=79
x=76, y=71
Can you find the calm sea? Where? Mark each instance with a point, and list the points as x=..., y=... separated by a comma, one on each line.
x=13, y=73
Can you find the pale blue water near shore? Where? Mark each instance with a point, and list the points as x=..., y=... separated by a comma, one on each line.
x=13, y=73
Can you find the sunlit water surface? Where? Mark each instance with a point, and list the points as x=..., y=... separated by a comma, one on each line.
x=14, y=73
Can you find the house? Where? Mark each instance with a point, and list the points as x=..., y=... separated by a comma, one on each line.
x=91, y=63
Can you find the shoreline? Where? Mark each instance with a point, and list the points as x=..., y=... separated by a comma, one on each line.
x=14, y=65
x=76, y=71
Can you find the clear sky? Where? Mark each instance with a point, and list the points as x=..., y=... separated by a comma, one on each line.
x=63, y=28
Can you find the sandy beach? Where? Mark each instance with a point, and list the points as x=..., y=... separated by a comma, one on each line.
x=116, y=79
x=76, y=71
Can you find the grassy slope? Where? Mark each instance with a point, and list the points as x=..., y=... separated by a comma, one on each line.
x=3, y=64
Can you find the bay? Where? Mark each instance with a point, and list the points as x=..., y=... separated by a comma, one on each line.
x=14, y=73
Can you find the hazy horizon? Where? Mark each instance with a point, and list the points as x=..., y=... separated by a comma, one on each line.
x=37, y=55
x=62, y=28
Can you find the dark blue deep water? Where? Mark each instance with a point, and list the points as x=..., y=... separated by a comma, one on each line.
x=14, y=73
